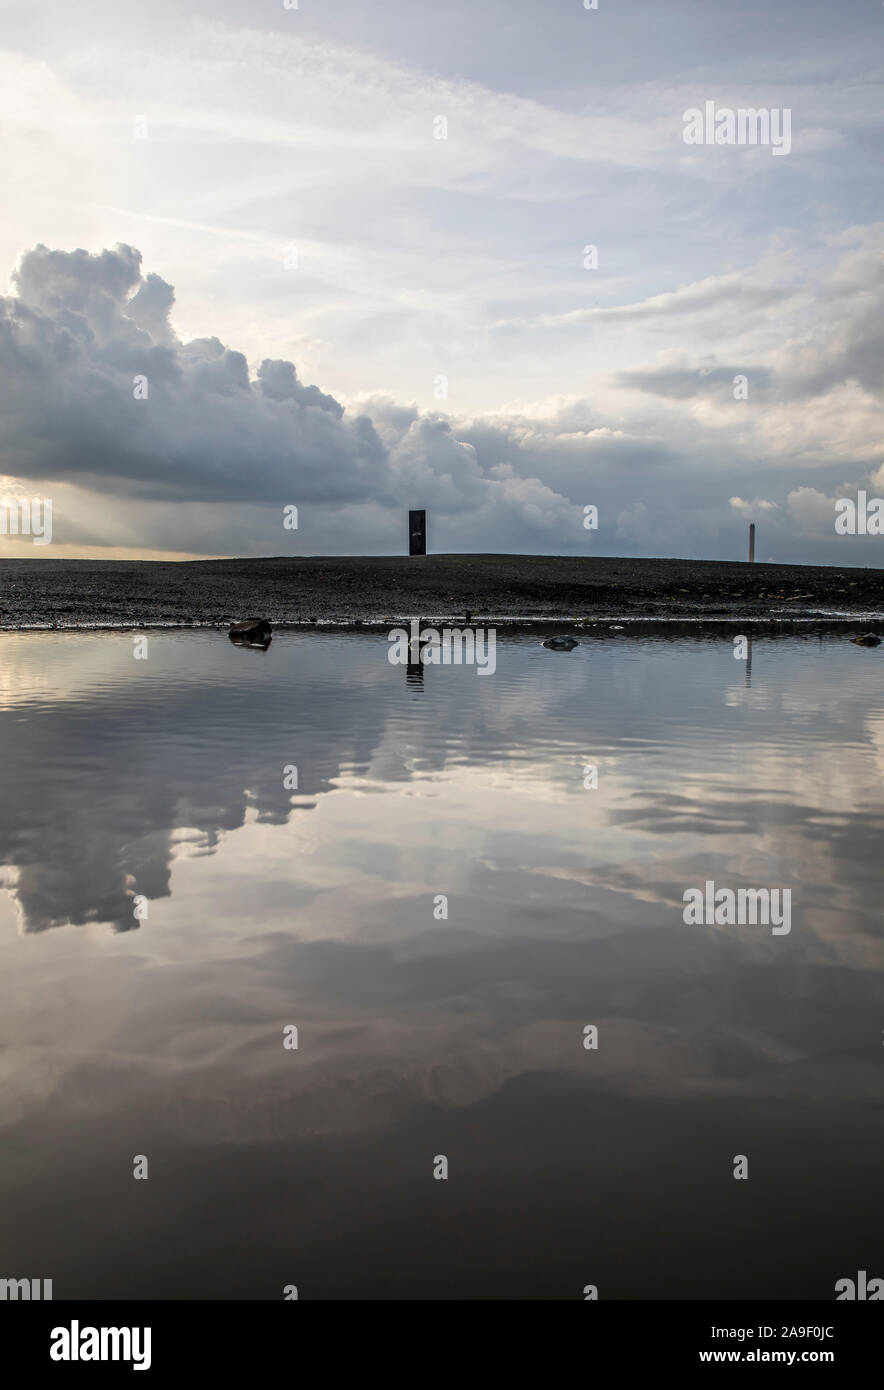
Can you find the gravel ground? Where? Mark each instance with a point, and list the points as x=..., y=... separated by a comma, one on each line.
x=86, y=593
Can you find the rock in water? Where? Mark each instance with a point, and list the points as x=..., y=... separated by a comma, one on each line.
x=560, y=644
x=253, y=632
x=868, y=639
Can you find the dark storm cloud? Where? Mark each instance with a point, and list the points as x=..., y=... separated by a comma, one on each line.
x=79, y=330
x=97, y=390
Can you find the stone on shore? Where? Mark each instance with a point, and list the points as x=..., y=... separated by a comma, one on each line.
x=252, y=632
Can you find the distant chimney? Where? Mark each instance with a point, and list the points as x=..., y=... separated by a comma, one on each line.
x=417, y=533
x=751, y=542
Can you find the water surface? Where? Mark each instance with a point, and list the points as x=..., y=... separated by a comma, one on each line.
x=161, y=782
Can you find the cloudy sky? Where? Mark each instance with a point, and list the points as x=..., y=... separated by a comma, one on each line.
x=345, y=245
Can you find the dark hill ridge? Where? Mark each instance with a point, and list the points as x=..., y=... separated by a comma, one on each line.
x=75, y=593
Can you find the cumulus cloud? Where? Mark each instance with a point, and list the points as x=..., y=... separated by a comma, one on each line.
x=74, y=337
x=96, y=389
x=812, y=510
x=81, y=328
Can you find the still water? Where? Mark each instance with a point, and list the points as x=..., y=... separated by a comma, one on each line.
x=158, y=786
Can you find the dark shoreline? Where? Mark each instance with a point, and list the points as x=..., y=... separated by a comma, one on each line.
x=377, y=590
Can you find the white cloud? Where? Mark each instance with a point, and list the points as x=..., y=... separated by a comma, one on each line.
x=758, y=504
x=811, y=510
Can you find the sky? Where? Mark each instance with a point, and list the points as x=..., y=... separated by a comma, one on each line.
x=357, y=258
